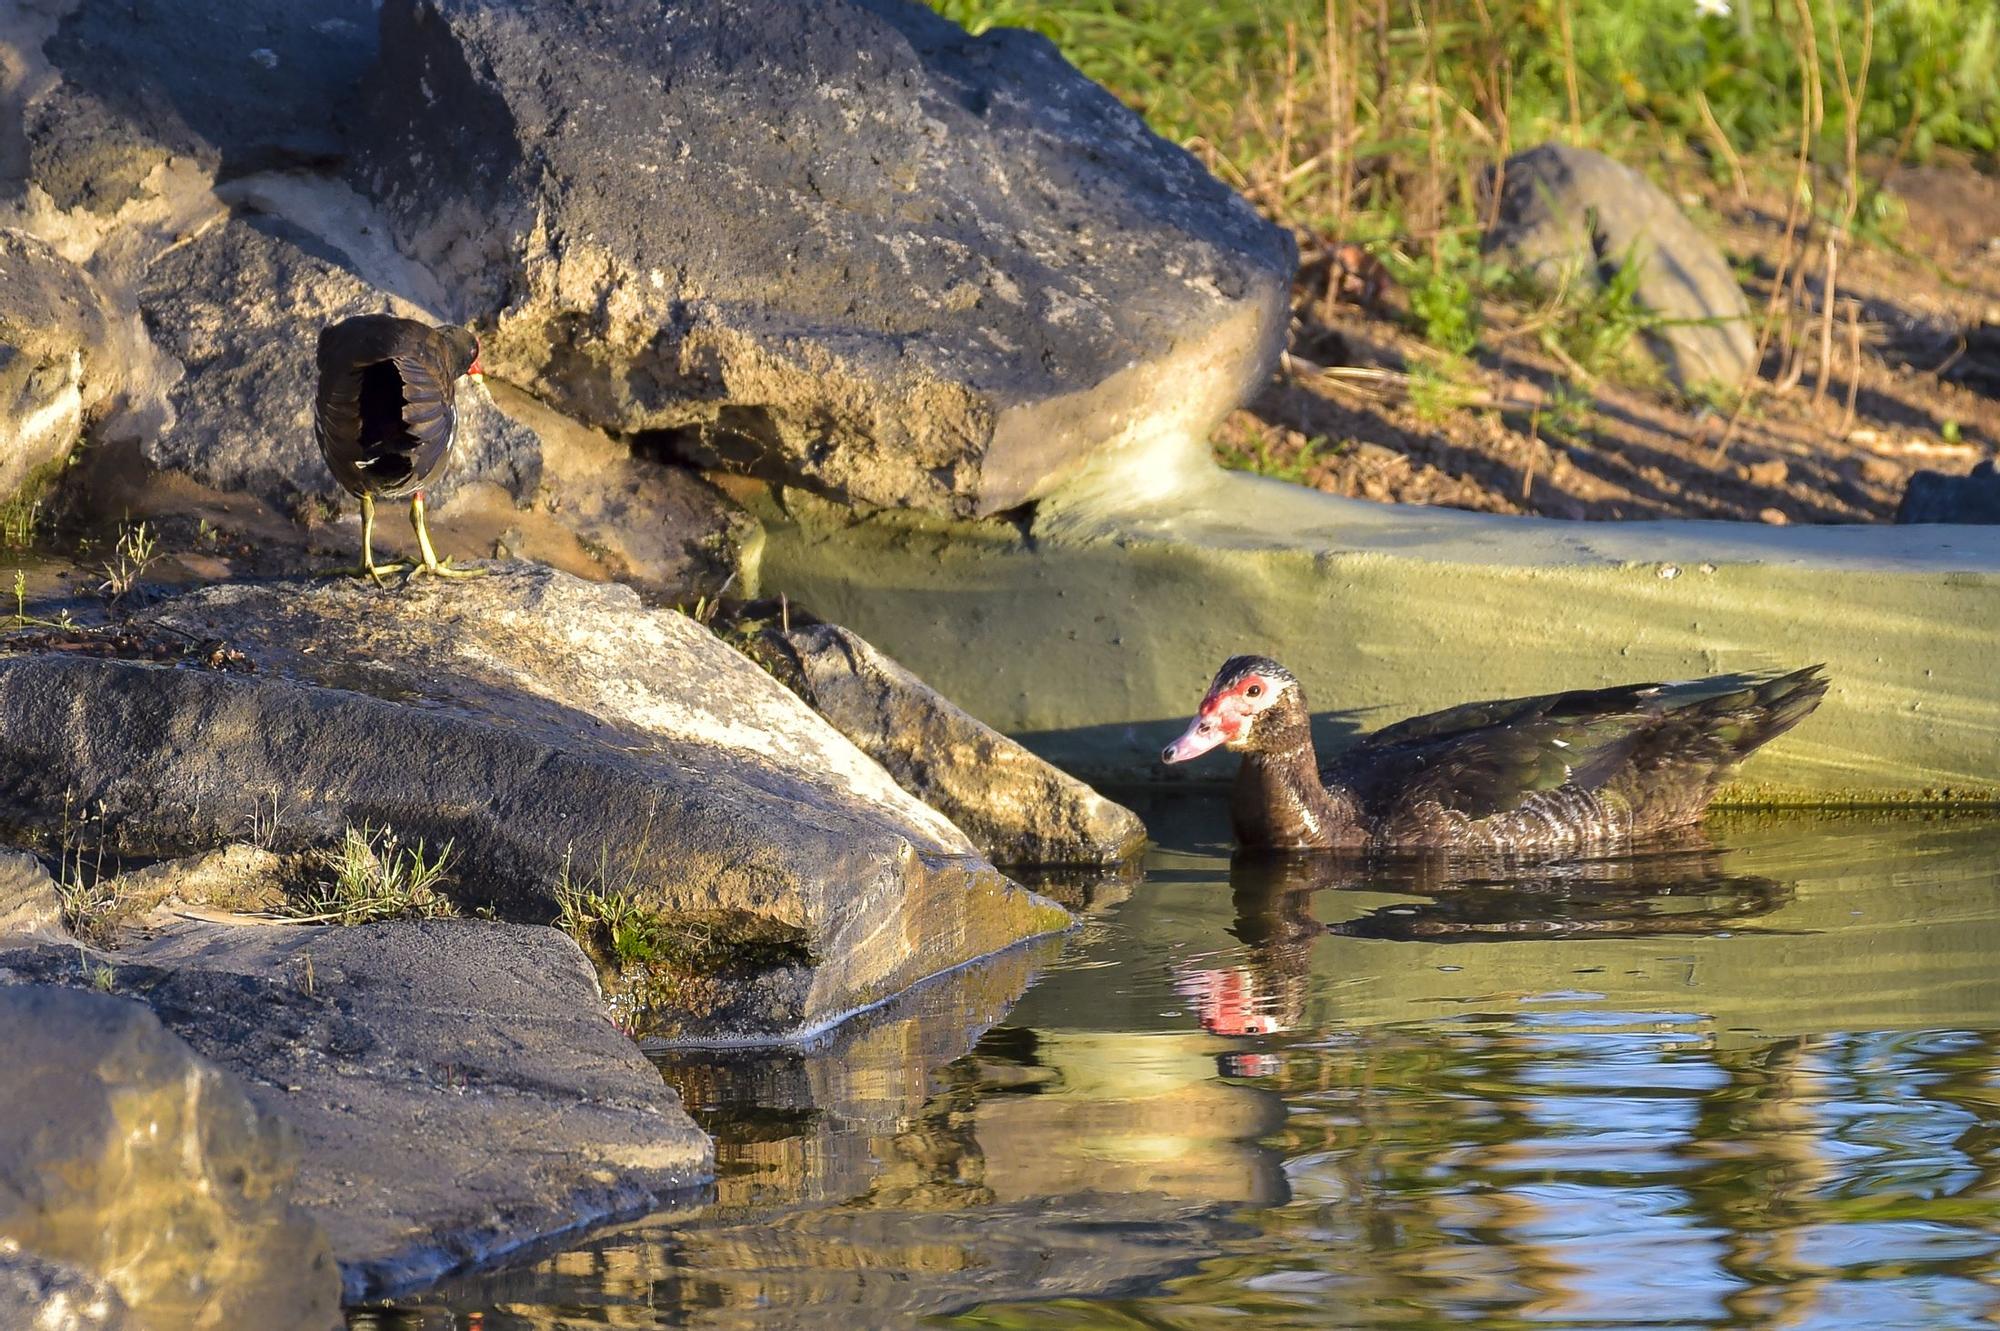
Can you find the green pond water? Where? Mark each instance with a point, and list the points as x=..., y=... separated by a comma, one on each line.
x=1752, y=1084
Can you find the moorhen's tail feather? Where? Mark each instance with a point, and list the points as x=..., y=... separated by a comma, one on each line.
x=384, y=414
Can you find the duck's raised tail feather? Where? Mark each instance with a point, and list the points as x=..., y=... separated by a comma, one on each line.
x=1706, y=728
x=1772, y=706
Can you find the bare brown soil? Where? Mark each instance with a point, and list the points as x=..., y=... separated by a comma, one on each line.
x=1525, y=434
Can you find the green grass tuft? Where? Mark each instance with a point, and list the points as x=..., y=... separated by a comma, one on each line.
x=372, y=875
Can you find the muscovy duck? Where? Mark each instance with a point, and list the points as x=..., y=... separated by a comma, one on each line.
x=385, y=416
x=1565, y=771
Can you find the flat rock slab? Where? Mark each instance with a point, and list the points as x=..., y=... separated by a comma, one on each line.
x=838, y=240
x=132, y=1160
x=558, y=734
x=1573, y=214
x=1015, y=807
x=454, y=1088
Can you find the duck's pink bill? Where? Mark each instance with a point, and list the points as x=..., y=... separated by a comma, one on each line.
x=1200, y=736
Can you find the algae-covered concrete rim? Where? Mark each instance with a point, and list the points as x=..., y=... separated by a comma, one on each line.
x=1091, y=634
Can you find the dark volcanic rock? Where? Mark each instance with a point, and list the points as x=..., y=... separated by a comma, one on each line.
x=1566, y=209
x=128, y=1158
x=53, y=363
x=241, y=308
x=557, y=733
x=235, y=85
x=1015, y=807
x=839, y=242
x=1979, y=366
x=1933, y=496
x=454, y=1088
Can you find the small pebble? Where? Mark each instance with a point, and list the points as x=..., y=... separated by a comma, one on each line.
x=1773, y=472
x=1776, y=517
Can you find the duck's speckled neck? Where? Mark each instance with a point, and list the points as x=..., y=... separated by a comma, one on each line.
x=1279, y=802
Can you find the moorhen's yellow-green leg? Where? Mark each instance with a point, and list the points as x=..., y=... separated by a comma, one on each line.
x=369, y=568
x=432, y=564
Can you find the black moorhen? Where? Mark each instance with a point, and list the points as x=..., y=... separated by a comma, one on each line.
x=1565, y=771
x=385, y=416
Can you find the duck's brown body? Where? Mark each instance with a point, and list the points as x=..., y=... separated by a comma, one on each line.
x=1582, y=770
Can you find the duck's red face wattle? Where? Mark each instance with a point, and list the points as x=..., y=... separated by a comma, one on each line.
x=1226, y=716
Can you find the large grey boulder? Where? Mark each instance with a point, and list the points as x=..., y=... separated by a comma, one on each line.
x=241, y=307
x=129, y=1158
x=839, y=242
x=1571, y=212
x=231, y=85
x=567, y=741
x=54, y=369
x=1015, y=807
x=453, y=1087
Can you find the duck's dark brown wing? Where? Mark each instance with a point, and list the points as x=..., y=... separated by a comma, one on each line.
x=1569, y=766
x=385, y=411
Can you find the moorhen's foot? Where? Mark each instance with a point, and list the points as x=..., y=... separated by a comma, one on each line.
x=443, y=568
x=379, y=572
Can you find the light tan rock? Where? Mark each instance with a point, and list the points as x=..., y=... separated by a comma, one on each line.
x=129, y=1158
x=1014, y=806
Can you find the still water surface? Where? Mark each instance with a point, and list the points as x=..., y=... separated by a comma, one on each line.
x=1750, y=1085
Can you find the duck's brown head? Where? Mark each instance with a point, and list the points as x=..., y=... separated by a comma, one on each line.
x=1253, y=702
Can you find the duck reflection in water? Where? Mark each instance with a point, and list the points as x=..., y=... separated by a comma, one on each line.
x=1674, y=889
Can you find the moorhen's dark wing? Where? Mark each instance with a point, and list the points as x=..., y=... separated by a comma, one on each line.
x=385, y=411
x=1636, y=758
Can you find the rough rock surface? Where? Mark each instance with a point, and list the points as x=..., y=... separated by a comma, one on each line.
x=234, y=85
x=840, y=242
x=660, y=528
x=241, y=307
x=1933, y=496
x=454, y=1087
x=37, y=1294
x=1014, y=806
x=28, y=899
x=127, y=1157
x=1566, y=209
x=53, y=366
x=555, y=731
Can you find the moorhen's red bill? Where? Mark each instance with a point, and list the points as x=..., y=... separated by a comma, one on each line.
x=1584, y=770
x=385, y=416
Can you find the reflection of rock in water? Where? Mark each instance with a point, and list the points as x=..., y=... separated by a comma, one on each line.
x=1084, y=889
x=1681, y=888
x=918, y=1166
x=805, y=1126
x=860, y=1268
